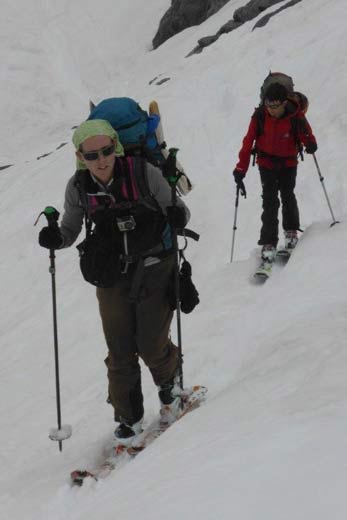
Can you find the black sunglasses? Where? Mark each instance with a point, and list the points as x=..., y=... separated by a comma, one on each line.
x=93, y=156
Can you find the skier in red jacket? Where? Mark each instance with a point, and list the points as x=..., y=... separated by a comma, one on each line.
x=278, y=129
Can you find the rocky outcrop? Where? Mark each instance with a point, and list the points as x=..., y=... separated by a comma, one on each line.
x=183, y=14
x=252, y=9
x=264, y=19
x=241, y=15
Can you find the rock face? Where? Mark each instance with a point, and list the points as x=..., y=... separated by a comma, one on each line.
x=244, y=14
x=252, y=9
x=183, y=14
x=186, y=13
x=265, y=19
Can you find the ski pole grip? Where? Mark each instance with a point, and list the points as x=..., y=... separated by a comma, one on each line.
x=52, y=216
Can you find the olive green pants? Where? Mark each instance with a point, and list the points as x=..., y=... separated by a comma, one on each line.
x=134, y=330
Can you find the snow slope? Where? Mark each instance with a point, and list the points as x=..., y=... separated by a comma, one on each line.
x=269, y=443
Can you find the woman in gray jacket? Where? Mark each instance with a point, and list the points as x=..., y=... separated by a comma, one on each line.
x=128, y=255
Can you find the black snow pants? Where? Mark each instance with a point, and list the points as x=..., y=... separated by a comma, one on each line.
x=274, y=182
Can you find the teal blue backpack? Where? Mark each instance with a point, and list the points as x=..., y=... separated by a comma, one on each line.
x=126, y=116
x=137, y=132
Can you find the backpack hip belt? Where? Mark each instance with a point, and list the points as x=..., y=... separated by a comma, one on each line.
x=277, y=161
x=139, y=261
x=132, y=259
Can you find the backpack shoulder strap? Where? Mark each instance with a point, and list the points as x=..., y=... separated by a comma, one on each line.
x=133, y=172
x=298, y=123
x=141, y=165
x=131, y=177
x=259, y=117
x=140, y=168
x=81, y=186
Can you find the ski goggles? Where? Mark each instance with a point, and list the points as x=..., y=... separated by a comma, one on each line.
x=105, y=151
x=273, y=105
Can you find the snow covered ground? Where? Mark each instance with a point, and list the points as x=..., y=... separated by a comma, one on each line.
x=270, y=442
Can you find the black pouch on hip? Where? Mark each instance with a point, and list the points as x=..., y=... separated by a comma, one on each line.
x=99, y=261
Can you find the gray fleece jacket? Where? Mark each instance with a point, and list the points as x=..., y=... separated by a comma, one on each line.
x=73, y=216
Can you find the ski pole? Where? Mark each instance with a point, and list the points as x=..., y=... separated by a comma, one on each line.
x=170, y=173
x=321, y=178
x=235, y=222
x=61, y=433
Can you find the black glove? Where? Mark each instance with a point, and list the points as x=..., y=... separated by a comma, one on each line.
x=189, y=295
x=50, y=237
x=311, y=147
x=239, y=176
x=176, y=216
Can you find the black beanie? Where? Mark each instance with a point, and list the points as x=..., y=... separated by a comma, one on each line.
x=276, y=92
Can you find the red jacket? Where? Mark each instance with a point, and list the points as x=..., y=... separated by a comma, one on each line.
x=276, y=139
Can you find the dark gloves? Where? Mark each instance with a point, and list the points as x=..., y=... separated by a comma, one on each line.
x=189, y=296
x=50, y=237
x=176, y=216
x=311, y=147
x=239, y=176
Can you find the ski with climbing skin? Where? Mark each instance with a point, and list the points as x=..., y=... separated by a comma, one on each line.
x=192, y=398
x=264, y=270
x=184, y=184
x=284, y=253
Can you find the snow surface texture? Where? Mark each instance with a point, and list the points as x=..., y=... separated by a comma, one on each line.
x=270, y=442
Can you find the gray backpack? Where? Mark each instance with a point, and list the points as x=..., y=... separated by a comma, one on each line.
x=277, y=77
x=288, y=83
